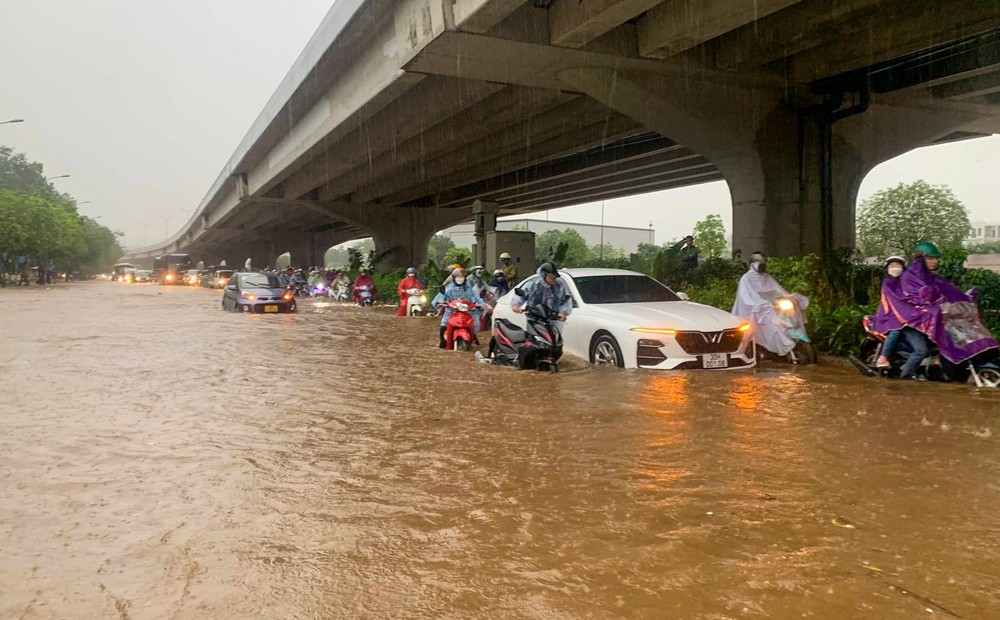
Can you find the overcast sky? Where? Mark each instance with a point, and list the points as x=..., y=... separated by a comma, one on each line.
x=142, y=103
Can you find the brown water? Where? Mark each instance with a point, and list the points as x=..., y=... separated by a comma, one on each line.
x=160, y=458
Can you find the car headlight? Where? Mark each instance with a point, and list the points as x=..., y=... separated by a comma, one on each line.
x=249, y=296
x=169, y=277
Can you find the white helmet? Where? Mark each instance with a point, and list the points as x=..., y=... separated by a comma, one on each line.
x=505, y=255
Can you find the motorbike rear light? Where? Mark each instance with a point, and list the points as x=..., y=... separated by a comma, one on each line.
x=655, y=330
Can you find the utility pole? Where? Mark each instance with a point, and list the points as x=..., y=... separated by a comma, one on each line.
x=602, y=231
x=166, y=223
x=145, y=233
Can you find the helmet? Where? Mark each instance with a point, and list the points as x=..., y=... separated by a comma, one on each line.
x=454, y=267
x=549, y=269
x=478, y=268
x=498, y=272
x=894, y=259
x=410, y=270
x=926, y=248
x=758, y=257
x=505, y=255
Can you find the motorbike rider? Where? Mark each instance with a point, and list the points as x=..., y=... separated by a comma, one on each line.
x=364, y=280
x=548, y=290
x=755, y=299
x=509, y=269
x=458, y=289
x=499, y=282
x=298, y=279
x=478, y=279
x=408, y=282
x=341, y=281
x=927, y=293
x=887, y=317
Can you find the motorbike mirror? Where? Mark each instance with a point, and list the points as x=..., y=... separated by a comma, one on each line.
x=519, y=292
x=441, y=289
x=231, y=287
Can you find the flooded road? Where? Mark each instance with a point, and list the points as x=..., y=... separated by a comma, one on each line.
x=160, y=458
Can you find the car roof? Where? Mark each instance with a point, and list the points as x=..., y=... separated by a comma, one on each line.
x=598, y=271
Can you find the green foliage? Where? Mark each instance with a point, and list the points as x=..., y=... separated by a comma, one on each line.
x=710, y=237
x=895, y=219
x=988, y=247
x=438, y=248
x=460, y=256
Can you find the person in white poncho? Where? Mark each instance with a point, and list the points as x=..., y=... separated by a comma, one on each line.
x=755, y=297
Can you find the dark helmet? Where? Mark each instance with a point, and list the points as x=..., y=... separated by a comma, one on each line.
x=549, y=269
x=926, y=248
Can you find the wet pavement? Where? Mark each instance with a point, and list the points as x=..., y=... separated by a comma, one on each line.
x=160, y=458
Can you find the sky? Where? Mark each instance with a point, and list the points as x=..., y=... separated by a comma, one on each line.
x=142, y=103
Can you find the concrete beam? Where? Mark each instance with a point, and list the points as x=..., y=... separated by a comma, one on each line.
x=480, y=16
x=574, y=23
x=969, y=88
x=903, y=29
x=678, y=25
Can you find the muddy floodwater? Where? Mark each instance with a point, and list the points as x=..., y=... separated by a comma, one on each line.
x=160, y=458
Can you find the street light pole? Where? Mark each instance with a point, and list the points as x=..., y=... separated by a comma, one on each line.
x=166, y=222
x=13, y=120
x=602, y=231
x=145, y=233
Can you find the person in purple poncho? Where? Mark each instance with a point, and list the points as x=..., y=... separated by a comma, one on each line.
x=888, y=319
x=936, y=309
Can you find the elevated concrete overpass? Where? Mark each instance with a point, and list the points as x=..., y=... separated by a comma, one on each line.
x=399, y=114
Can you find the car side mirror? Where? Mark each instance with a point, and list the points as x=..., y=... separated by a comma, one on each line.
x=683, y=296
x=230, y=287
x=519, y=292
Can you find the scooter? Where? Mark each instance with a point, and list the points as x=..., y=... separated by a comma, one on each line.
x=365, y=296
x=538, y=347
x=341, y=292
x=415, y=301
x=460, y=331
x=490, y=297
x=319, y=290
x=792, y=320
x=982, y=369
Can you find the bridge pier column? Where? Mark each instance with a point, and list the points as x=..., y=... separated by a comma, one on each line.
x=769, y=153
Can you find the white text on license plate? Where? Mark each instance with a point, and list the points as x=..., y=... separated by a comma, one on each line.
x=275, y=309
x=714, y=360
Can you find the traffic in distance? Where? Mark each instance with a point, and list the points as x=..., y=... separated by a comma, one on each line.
x=925, y=327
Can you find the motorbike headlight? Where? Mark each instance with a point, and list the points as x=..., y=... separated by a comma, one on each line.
x=785, y=305
x=287, y=297
x=745, y=328
x=422, y=299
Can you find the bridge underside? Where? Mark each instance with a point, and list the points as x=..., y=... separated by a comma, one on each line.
x=405, y=117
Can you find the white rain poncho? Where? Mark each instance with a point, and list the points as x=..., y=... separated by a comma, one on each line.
x=755, y=299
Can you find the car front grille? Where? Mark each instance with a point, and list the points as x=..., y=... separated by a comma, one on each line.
x=700, y=343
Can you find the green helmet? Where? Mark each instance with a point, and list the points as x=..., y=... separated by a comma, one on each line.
x=926, y=248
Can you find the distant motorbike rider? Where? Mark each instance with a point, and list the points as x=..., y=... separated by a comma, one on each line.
x=409, y=282
x=509, y=269
x=548, y=290
x=499, y=282
x=888, y=320
x=458, y=289
x=755, y=297
x=478, y=279
x=298, y=279
x=364, y=280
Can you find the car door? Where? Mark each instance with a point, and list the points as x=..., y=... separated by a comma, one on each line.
x=573, y=331
x=230, y=296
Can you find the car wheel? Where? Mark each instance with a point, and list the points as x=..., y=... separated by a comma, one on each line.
x=803, y=353
x=223, y=304
x=241, y=308
x=604, y=351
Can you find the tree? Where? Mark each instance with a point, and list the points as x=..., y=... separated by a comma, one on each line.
x=710, y=237
x=567, y=248
x=460, y=256
x=438, y=247
x=610, y=252
x=896, y=219
x=986, y=247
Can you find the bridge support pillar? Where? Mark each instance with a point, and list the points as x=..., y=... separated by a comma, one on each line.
x=787, y=197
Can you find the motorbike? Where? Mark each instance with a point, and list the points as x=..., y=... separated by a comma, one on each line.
x=319, y=290
x=415, y=301
x=340, y=292
x=490, y=297
x=792, y=320
x=538, y=347
x=460, y=331
x=365, y=296
x=299, y=288
x=982, y=369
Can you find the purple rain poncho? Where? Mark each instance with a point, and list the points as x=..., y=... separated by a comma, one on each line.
x=937, y=308
x=893, y=312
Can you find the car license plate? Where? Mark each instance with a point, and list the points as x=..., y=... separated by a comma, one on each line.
x=270, y=308
x=714, y=360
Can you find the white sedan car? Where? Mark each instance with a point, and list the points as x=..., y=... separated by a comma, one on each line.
x=630, y=320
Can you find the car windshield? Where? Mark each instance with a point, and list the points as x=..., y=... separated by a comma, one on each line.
x=259, y=280
x=225, y=274
x=623, y=289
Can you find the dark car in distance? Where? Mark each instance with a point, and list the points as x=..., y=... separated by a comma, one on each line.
x=249, y=291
